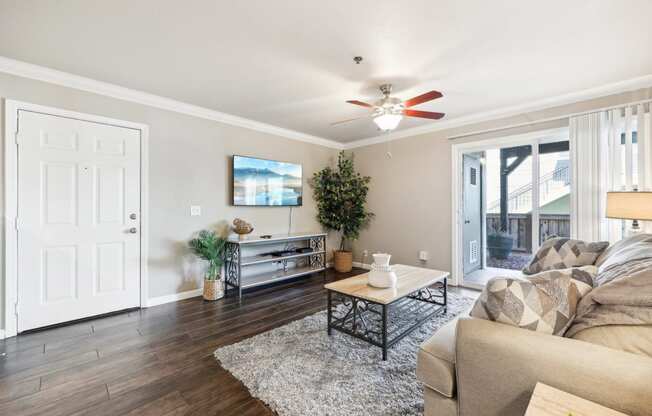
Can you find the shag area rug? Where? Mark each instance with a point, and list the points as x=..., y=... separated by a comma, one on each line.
x=298, y=370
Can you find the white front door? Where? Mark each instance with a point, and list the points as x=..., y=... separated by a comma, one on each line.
x=78, y=219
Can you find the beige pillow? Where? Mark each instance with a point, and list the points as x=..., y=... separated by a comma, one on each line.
x=545, y=302
x=561, y=253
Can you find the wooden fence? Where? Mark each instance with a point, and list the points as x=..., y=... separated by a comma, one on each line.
x=519, y=227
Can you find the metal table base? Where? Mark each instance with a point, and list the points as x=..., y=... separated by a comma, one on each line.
x=383, y=325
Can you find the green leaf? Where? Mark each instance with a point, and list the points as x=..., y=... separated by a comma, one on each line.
x=210, y=247
x=341, y=196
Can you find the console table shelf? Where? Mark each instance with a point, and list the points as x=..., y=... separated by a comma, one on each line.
x=277, y=276
x=268, y=258
x=237, y=259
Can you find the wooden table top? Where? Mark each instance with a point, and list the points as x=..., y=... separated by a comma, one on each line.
x=409, y=280
x=548, y=401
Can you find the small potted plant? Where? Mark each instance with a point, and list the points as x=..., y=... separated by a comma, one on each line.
x=341, y=196
x=210, y=247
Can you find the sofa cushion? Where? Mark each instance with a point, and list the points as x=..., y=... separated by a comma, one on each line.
x=436, y=360
x=545, y=302
x=561, y=253
x=626, y=249
x=636, y=339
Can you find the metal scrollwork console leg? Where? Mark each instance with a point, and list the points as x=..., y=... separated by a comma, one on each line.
x=232, y=266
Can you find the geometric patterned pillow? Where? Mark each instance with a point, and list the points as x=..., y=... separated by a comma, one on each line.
x=545, y=302
x=561, y=253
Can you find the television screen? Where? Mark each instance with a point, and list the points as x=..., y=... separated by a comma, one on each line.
x=260, y=182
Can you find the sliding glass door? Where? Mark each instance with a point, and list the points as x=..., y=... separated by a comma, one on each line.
x=523, y=197
x=554, y=190
x=509, y=208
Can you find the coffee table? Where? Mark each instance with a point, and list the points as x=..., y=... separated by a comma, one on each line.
x=382, y=317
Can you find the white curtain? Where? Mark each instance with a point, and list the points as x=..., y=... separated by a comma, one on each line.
x=586, y=150
x=610, y=151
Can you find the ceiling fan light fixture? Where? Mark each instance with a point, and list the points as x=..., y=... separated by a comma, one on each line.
x=388, y=121
x=388, y=112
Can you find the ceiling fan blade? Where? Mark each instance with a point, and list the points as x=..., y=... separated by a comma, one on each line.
x=431, y=95
x=423, y=114
x=356, y=102
x=337, y=123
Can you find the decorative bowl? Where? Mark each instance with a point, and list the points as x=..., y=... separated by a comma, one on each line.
x=242, y=227
x=243, y=230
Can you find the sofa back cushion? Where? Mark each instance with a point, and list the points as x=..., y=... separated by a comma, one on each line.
x=545, y=302
x=626, y=247
x=561, y=253
x=636, y=339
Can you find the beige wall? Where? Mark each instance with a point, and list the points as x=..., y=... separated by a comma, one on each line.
x=411, y=192
x=188, y=165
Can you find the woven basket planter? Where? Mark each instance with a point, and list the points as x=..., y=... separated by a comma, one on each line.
x=213, y=289
x=343, y=261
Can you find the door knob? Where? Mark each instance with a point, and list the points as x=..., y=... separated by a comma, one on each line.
x=467, y=221
x=133, y=230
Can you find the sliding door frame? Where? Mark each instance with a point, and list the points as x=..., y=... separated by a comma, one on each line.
x=533, y=139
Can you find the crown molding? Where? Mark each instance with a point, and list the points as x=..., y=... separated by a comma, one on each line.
x=53, y=76
x=583, y=95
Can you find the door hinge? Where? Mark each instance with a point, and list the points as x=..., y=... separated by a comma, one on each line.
x=16, y=308
x=16, y=223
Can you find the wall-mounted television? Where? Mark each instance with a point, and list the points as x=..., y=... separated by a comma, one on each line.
x=262, y=182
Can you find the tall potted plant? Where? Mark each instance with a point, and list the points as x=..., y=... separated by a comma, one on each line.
x=210, y=247
x=341, y=196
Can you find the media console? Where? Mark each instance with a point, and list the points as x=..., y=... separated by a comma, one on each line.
x=250, y=260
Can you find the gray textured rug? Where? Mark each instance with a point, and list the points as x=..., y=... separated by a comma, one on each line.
x=298, y=370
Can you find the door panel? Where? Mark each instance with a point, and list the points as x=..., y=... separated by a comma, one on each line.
x=58, y=137
x=472, y=229
x=59, y=274
x=78, y=182
x=110, y=267
x=109, y=190
x=59, y=193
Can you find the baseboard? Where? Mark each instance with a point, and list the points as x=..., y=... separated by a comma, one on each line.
x=159, y=300
x=2, y=334
x=198, y=292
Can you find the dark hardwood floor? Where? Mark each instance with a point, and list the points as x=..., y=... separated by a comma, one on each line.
x=155, y=361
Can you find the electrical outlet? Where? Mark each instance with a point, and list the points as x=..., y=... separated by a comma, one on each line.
x=423, y=255
x=195, y=210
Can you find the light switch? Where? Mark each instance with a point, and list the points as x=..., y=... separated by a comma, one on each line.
x=195, y=210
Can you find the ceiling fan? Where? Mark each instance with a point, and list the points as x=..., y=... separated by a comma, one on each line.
x=388, y=112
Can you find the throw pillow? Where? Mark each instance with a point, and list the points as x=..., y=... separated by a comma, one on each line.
x=545, y=302
x=561, y=253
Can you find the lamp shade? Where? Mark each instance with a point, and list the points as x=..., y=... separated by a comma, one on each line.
x=387, y=121
x=629, y=205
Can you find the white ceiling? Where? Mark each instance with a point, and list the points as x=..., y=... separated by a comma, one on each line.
x=289, y=63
